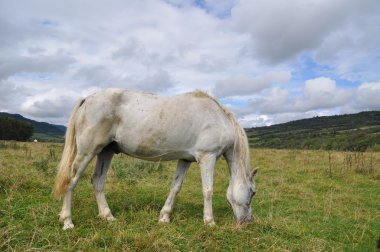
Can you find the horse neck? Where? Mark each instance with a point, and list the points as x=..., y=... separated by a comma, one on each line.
x=238, y=163
x=238, y=155
x=241, y=153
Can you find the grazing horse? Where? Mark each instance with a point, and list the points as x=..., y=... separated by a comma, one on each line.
x=191, y=127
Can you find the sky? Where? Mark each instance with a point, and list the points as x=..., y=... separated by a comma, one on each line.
x=268, y=61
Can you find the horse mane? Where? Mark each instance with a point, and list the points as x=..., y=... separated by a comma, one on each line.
x=241, y=142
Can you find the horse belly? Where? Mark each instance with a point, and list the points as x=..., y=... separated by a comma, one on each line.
x=154, y=149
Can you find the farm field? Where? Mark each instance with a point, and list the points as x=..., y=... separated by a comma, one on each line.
x=305, y=201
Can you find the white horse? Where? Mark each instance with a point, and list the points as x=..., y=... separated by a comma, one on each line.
x=192, y=127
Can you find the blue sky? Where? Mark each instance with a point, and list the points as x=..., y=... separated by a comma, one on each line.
x=267, y=62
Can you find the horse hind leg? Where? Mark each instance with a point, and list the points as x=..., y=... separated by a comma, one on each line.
x=182, y=167
x=102, y=164
x=80, y=163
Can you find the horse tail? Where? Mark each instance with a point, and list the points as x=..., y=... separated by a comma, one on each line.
x=64, y=173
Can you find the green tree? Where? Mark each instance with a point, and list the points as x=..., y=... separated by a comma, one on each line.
x=12, y=129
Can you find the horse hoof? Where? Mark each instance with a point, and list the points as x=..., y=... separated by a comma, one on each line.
x=164, y=219
x=68, y=225
x=209, y=223
x=110, y=218
x=107, y=217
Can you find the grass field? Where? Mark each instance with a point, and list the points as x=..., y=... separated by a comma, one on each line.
x=305, y=201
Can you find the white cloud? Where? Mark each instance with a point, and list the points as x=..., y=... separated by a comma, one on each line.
x=244, y=85
x=259, y=120
x=132, y=49
x=353, y=50
x=281, y=31
x=157, y=82
x=368, y=96
x=319, y=97
x=54, y=104
x=10, y=96
x=320, y=85
x=319, y=93
x=42, y=64
x=274, y=100
x=322, y=93
x=235, y=49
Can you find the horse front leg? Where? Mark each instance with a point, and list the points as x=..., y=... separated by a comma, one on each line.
x=207, y=163
x=167, y=209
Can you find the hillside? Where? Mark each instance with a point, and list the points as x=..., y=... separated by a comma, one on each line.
x=353, y=132
x=41, y=130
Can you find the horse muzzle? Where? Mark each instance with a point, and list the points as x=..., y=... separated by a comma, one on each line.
x=245, y=219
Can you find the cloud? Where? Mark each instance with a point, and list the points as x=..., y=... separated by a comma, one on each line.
x=353, y=51
x=97, y=75
x=319, y=93
x=280, y=31
x=318, y=97
x=259, y=120
x=274, y=100
x=244, y=85
x=157, y=82
x=53, y=104
x=238, y=50
x=367, y=97
x=132, y=49
x=220, y=8
x=10, y=96
x=11, y=31
x=42, y=64
x=210, y=63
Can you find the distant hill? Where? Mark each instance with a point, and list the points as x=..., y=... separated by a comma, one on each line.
x=353, y=132
x=41, y=130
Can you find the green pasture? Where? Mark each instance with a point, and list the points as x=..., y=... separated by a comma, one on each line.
x=305, y=201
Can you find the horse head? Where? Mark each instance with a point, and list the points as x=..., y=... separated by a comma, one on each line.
x=240, y=194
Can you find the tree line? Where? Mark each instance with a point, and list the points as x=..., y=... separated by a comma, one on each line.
x=12, y=129
x=354, y=132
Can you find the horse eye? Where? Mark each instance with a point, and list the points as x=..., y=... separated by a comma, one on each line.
x=252, y=194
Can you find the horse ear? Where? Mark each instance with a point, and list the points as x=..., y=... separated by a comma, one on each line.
x=253, y=174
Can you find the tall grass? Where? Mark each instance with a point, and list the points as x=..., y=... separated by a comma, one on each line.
x=306, y=201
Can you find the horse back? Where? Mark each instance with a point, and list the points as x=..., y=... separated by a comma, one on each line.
x=148, y=125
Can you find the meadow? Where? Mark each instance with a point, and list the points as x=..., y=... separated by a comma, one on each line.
x=306, y=201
